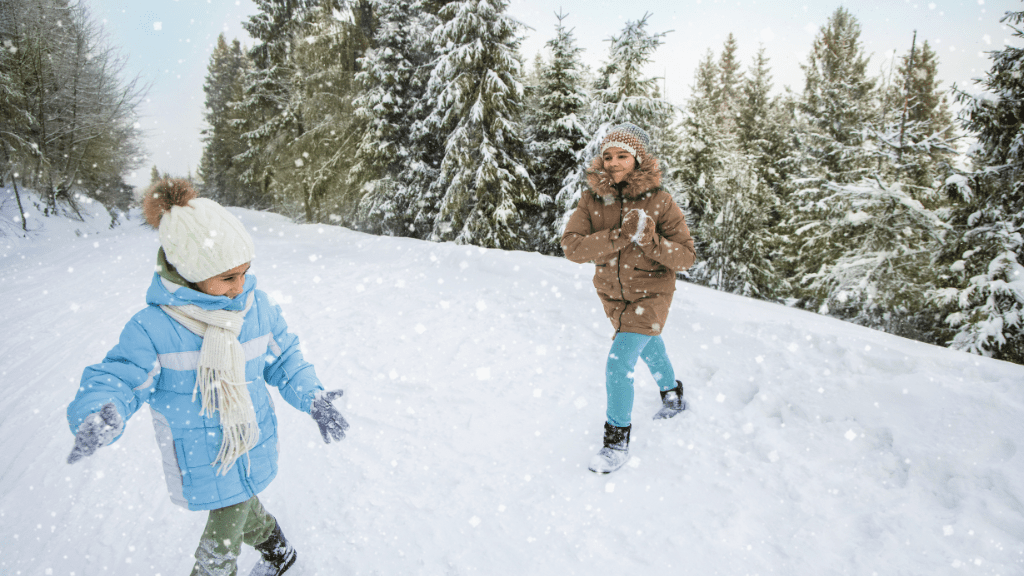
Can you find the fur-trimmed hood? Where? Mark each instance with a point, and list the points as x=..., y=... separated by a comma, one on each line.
x=645, y=178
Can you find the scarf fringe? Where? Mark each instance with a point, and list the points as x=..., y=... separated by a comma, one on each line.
x=220, y=378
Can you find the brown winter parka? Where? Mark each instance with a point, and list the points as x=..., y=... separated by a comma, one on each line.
x=635, y=283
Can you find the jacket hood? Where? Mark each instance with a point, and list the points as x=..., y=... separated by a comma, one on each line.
x=646, y=177
x=163, y=292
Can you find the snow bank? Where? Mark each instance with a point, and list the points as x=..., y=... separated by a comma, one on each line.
x=474, y=385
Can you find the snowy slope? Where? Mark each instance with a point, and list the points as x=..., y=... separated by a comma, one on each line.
x=474, y=384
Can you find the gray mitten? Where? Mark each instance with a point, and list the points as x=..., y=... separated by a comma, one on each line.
x=97, y=430
x=330, y=421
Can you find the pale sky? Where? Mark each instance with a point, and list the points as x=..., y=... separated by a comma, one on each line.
x=169, y=42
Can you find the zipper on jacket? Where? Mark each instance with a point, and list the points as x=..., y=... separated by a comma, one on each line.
x=618, y=265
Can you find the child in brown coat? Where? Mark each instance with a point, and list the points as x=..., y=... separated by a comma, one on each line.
x=636, y=235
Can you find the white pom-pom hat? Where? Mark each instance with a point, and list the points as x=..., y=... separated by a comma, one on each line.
x=201, y=240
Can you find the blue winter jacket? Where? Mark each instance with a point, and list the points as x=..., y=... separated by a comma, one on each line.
x=155, y=362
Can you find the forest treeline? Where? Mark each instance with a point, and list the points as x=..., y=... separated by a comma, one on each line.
x=860, y=195
x=68, y=126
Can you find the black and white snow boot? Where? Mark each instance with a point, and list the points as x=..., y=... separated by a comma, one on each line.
x=672, y=402
x=277, y=555
x=615, y=452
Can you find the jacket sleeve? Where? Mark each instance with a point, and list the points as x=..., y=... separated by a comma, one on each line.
x=288, y=371
x=125, y=377
x=581, y=243
x=672, y=245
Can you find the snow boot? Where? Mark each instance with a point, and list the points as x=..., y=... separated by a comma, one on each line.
x=277, y=555
x=672, y=402
x=615, y=452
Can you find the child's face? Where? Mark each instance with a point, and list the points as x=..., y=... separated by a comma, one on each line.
x=618, y=163
x=228, y=283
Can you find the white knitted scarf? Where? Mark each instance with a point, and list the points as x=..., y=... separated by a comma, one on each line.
x=220, y=376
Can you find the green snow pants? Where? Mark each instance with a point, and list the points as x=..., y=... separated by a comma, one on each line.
x=226, y=530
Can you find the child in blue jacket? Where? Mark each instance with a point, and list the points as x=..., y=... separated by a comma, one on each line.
x=201, y=355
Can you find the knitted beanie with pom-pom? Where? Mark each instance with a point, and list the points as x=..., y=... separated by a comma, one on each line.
x=629, y=137
x=199, y=237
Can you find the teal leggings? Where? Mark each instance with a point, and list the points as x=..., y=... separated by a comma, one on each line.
x=619, y=372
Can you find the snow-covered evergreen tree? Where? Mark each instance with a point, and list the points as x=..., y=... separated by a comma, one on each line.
x=728, y=84
x=731, y=206
x=392, y=79
x=320, y=142
x=984, y=292
x=763, y=127
x=837, y=101
x=222, y=138
x=622, y=93
x=267, y=93
x=916, y=129
x=703, y=141
x=475, y=96
x=861, y=242
x=558, y=133
x=299, y=128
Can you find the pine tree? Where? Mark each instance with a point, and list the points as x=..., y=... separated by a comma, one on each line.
x=703, y=143
x=268, y=90
x=918, y=135
x=984, y=292
x=835, y=111
x=861, y=242
x=393, y=77
x=558, y=132
x=323, y=132
x=731, y=206
x=475, y=97
x=223, y=140
x=837, y=99
x=622, y=93
x=728, y=85
x=762, y=128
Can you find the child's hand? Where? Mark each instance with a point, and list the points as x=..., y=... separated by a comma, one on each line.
x=330, y=421
x=97, y=430
x=638, y=227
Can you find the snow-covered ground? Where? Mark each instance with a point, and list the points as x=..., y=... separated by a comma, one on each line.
x=474, y=385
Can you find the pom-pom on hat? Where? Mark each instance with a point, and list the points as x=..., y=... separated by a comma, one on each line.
x=199, y=237
x=630, y=138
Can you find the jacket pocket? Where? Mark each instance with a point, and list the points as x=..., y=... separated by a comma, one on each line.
x=179, y=453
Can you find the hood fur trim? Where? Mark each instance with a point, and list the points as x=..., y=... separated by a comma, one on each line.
x=640, y=181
